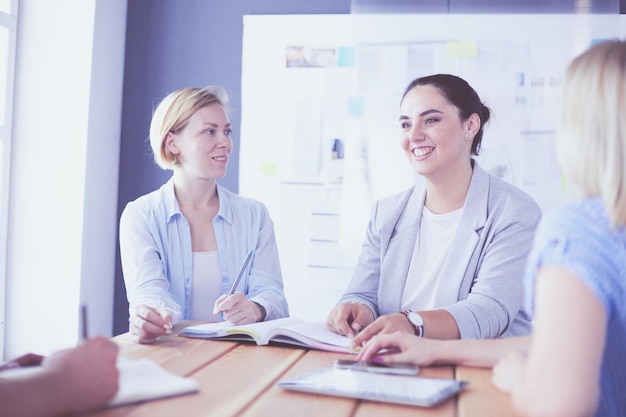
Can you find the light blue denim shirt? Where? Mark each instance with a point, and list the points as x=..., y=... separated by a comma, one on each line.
x=156, y=254
x=579, y=237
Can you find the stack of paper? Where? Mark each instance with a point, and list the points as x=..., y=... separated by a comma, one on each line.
x=143, y=379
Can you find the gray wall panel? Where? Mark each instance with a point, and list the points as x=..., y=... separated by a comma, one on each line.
x=487, y=6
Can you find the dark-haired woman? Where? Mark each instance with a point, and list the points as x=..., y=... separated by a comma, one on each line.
x=445, y=258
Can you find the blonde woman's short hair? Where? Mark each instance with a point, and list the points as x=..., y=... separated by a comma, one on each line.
x=591, y=143
x=173, y=113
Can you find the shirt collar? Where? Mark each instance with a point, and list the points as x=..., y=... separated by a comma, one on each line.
x=169, y=198
x=173, y=208
x=226, y=208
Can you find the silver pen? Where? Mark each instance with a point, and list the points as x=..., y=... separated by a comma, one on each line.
x=241, y=272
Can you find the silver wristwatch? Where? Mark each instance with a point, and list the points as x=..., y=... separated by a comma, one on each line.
x=416, y=321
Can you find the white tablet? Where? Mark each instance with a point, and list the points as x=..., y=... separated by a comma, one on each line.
x=400, y=389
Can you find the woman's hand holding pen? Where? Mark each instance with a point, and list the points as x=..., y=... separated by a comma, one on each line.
x=237, y=309
x=234, y=306
x=148, y=323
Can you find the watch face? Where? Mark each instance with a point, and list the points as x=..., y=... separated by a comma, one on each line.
x=415, y=318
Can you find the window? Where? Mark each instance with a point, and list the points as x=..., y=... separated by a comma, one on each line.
x=8, y=20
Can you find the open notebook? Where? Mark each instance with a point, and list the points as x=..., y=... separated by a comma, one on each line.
x=290, y=330
x=399, y=389
x=139, y=380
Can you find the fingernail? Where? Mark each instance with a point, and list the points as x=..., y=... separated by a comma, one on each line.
x=377, y=359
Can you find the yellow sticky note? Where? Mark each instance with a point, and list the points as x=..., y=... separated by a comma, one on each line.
x=463, y=49
x=268, y=168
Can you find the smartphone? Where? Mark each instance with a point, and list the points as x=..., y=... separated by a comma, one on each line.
x=398, y=368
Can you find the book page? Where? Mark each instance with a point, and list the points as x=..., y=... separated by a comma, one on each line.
x=258, y=331
x=261, y=331
x=289, y=330
x=318, y=332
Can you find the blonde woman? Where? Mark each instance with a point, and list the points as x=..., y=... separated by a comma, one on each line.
x=183, y=245
x=573, y=363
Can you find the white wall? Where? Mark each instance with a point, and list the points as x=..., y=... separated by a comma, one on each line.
x=63, y=195
x=320, y=222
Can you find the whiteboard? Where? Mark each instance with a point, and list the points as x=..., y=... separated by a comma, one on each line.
x=319, y=133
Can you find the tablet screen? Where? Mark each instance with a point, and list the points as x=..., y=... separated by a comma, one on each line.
x=400, y=389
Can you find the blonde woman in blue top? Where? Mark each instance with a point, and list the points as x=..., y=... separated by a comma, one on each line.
x=573, y=363
x=183, y=244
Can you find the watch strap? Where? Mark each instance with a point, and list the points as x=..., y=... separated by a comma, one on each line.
x=418, y=330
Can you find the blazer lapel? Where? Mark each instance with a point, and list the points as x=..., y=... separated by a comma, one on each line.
x=457, y=273
x=402, y=240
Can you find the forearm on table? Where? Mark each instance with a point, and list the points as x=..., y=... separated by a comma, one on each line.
x=265, y=284
x=156, y=299
x=34, y=396
x=484, y=317
x=439, y=324
x=360, y=299
x=479, y=352
x=273, y=304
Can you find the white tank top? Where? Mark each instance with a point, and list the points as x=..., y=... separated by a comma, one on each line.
x=431, y=248
x=206, y=286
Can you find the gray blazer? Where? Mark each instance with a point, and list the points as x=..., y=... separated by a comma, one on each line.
x=482, y=285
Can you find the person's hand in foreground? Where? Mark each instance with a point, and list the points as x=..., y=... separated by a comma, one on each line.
x=70, y=381
x=399, y=347
x=29, y=359
x=384, y=325
x=508, y=371
x=87, y=375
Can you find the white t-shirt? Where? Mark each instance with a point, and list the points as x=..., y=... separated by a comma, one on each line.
x=206, y=286
x=431, y=248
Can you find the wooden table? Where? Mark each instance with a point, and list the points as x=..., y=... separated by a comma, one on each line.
x=239, y=379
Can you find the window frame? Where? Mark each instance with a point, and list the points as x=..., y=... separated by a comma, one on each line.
x=8, y=21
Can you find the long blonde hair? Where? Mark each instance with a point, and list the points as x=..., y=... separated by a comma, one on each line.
x=591, y=143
